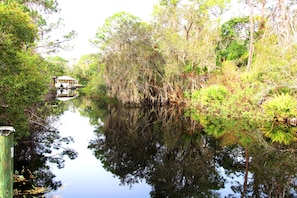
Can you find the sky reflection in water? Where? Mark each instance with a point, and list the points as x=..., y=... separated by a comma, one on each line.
x=85, y=176
x=138, y=143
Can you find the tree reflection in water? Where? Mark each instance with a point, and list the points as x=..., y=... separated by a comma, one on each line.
x=33, y=154
x=136, y=144
x=177, y=158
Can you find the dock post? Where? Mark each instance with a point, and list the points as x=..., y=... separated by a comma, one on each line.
x=6, y=161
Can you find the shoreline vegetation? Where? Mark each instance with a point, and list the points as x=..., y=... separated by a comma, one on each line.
x=242, y=68
x=245, y=68
x=236, y=78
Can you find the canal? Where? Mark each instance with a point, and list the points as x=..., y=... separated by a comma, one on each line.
x=85, y=176
x=96, y=150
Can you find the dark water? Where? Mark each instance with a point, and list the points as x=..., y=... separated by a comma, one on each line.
x=99, y=151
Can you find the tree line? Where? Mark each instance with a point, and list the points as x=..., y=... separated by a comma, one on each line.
x=193, y=53
x=187, y=43
x=25, y=72
x=190, y=53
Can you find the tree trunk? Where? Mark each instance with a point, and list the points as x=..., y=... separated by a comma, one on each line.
x=284, y=25
x=251, y=47
x=246, y=172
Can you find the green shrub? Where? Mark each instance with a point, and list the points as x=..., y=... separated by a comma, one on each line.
x=280, y=107
x=280, y=133
x=213, y=94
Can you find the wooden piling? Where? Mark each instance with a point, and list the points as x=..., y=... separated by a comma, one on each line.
x=6, y=161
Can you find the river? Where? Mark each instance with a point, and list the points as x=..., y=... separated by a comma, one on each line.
x=153, y=152
x=85, y=175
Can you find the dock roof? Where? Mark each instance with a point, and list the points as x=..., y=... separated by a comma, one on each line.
x=65, y=78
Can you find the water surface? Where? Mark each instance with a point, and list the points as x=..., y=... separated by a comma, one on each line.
x=154, y=152
x=85, y=176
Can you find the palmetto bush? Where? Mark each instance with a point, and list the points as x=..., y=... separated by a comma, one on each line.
x=280, y=107
x=213, y=94
x=277, y=110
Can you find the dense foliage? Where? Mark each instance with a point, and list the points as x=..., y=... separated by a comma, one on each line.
x=232, y=74
x=25, y=81
x=187, y=55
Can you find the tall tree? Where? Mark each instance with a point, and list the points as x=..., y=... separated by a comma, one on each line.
x=276, y=18
x=57, y=66
x=186, y=35
x=234, y=41
x=39, y=11
x=25, y=77
x=251, y=45
x=157, y=63
x=86, y=68
x=132, y=64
